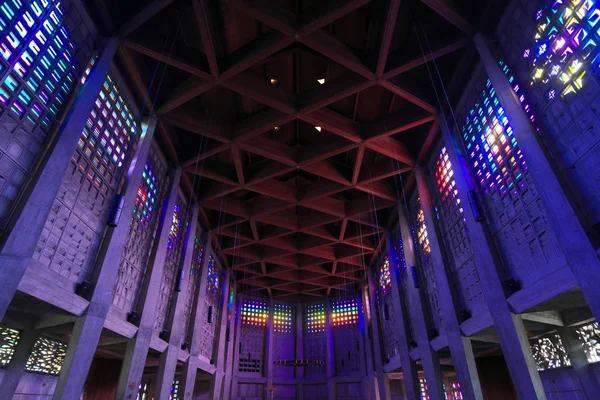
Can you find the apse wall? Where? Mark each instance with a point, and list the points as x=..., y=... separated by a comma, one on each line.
x=329, y=336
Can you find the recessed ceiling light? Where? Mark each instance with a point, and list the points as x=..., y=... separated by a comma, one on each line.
x=318, y=128
x=321, y=81
x=276, y=128
x=273, y=81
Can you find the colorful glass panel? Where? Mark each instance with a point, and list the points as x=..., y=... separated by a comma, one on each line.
x=344, y=312
x=147, y=196
x=47, y=356
x=491, y=146
x=385, y=279
x=175, y=232
x=422, y=238
x=213, y=284
x=400, y=256
x=444, y=176
x=315, y=318
x=254, y=313
x=456, y=392
x=8, y=342
x=589, y=335
x=565, y=43
x=549, y=353
x=282, y=318
x=424, y=389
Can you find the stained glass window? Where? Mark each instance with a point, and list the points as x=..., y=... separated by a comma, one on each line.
x=456, y=392
x=444, y=176
x=315, y=318
x=385, y=279
x=491, y=145
x=142, y=392
x=344, y=312
x=564, y=44
x=549, y=352
x=254, y=313
x=174, y=391
x=422, y=238
x=424, y=389
x=47, y=356
x=37, y=59
x=195, y=273
x=400, y=257
x=175, y=232
x=8, y=342
x=590, y=339
x=213, y=285
x=147, y=196
x=282, y=318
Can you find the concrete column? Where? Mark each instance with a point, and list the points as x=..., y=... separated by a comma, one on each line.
x=230, y=363
x=88, y=328
x=330, y=356
x=579, y=362
x=460, y=346
x=268, y=369
x=168, y=359
x=510, y=329
x=221, y=362
x=137, y=347
x=299, y=349
x=409, y=366
x=582, y=257
x=236, y=357
x=375, y=372
x=429, y=358
x=15, y=369
x=188, y=375
x=19, y=246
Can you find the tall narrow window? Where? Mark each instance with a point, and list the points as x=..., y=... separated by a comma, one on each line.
x=385, y=279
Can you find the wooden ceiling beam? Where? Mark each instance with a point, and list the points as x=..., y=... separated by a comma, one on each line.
x=382, y=169
x=337, y=51
x=142, y=16
x=391, y=148
x=327, y=205
x=324, y=150
x=358, y=164
x=262, y=91
x=395, y=123
x=330, y=92
x=239, y=165
x=217, y=190
x=367, y=204
x=254, y=52
x=171, y=60
x=186, y=91
x=271, y=149
x=206, y=154
x=379, y=189
x=327, y=12
x=321, y=188
x=259, y=123
x=417, y=62
x=207, y=27
x=229, y=205
x=430, y=140
x=268, y=13
x=278, y=190
x=388, y=33
x=326, y=169
x=198, y=124
x=402, y=87
x=450, y=14
x=208, y=171
x=334, y=123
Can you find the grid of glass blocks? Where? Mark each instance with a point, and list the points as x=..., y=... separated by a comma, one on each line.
x=344, y=312
x=385, y=279
x=315, y=318
x=254, y=313
x=282, y=318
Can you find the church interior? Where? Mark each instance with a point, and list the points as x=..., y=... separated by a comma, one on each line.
x=299, y=199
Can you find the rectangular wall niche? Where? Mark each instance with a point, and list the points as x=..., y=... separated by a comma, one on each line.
x=254, y=313
x=344, y=312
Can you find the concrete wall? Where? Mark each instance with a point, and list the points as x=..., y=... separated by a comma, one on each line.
x=34, y=386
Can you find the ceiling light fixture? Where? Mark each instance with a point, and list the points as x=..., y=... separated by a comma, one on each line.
x=321, y=81
x=318, y=128
x=273, y=81
x=276, y=128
